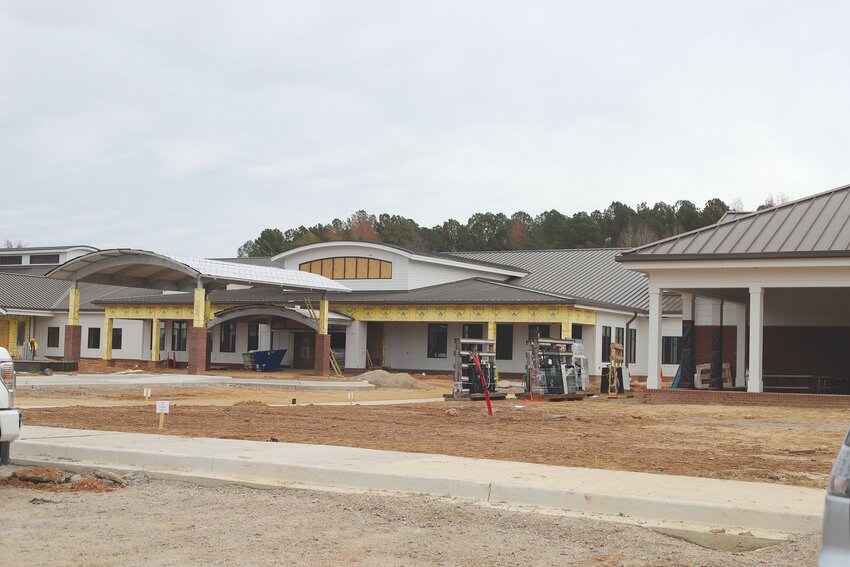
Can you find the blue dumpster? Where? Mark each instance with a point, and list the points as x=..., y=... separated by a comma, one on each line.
x=268, y=359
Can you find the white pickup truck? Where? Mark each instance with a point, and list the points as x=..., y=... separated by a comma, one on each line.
x=10, y=416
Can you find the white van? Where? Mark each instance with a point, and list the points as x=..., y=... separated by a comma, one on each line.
x=10, y=416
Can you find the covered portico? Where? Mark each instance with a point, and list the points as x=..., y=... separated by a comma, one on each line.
x=784, y=271
x=144, y=269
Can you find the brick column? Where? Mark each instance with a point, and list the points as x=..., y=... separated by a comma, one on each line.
x=323, y=355
x=73, y=340
x=197, y=348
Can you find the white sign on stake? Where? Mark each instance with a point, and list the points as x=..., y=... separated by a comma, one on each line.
x=147, y=393
x=162, y=406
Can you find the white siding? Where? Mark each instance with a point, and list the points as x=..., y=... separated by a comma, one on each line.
x=400, y=264
x=424, y=274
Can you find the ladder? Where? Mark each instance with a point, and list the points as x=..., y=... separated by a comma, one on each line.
x=315, y=317
x=617, y=358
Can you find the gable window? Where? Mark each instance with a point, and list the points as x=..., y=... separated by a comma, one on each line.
x=631, y=347
x=576, y=331
x=671, y=350
x=44, y=259
x=53, y=337
x=93, y=337
x=606, y=344
x=227, y=337
x=538, y=332
x=22, y=333
x=350, y=268
x=11, y=260
x=179, y=331
x=162, y=335
x=253, y=335
x=117, y=335
x=504, y=342
x=438, y=338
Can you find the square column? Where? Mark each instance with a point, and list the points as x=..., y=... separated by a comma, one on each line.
x=322, y=359
x=197, y=336
x=741, y=346
x=567, y=330
x=73, y=330
x=653, y=377
x=756, y=382
x=155, y=346
x=107, y=339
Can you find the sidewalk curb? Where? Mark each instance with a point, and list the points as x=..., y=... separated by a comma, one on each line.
x=523, y=490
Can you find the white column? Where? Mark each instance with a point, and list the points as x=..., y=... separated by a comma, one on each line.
x=755, y=383
x=687, y=307
x=741, y=346
x=355, y=345
x=653, y=375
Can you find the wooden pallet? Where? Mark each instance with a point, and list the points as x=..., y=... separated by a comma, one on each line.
x=467, y=397
x=553, y=397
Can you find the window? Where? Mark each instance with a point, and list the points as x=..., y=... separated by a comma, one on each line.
x=22, y=333
x=11, y=260
x=162, y=335
x=538, y=332
x=44, y=259
x=253, y=335
x=606, y=344
x=473, y=331
x=671, y=350
x=227, y=337
x=504, y=342
x=619, y=335
x=438, y=337
x=576, y=331
x=350, y=268
x=94, y=337
x=52, y=337
x=179, y=330
x=631, y=347
x=116, y=338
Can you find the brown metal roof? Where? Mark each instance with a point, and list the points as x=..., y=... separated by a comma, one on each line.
x=813, y=227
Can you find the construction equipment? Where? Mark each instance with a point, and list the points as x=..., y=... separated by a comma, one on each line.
x=552, y=368
x=615, y=365
x=315, y=316
x=475, y=373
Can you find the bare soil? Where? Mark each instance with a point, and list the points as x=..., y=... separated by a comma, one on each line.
x=175, y=523
x=784, y=445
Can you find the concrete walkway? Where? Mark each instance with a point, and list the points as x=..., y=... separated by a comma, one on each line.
x=97, y=381
x=636, y=497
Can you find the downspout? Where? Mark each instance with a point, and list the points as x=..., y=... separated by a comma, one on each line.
x=626, y=346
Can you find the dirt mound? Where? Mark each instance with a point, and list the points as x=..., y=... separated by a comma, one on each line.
x=250, y=403
x=51, y=480
x=384, y=379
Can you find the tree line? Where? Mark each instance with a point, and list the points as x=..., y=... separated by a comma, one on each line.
x=619, y=225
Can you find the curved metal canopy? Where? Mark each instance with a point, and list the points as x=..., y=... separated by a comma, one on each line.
x=268, y=310
x=144, y=269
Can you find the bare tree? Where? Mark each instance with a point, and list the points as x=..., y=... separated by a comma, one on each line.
x=736, y=205
x=636, y=234
x=14, y=243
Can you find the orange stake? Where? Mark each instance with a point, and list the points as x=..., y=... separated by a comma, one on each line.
x=483, y=383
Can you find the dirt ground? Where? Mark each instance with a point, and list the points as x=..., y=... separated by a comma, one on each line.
x=173, y=523
x=784, y=445
x=219, y=395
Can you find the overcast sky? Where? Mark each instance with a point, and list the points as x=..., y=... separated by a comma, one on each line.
x=188, y=127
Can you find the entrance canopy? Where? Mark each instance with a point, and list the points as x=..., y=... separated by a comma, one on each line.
x=143, y=269
x=258, y=311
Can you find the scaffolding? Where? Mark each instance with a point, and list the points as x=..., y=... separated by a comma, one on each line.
x=555, y=367
x=465, y=379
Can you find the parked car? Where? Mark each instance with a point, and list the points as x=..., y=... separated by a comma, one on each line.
x=835, y=545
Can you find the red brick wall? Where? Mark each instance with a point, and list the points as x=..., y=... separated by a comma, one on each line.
x=717, y=397
x=73, y=340
x=323, y=355
x=197, y=347
x=702, y=345
x=98, y=365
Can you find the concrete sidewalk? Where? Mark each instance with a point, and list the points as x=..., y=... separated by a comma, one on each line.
x=636, y=497
x=98, y=381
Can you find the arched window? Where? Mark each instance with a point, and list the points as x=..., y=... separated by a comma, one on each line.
x=350, y=268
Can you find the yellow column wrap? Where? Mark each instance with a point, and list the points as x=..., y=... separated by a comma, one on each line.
x=199, y=317
x=107, y=340
x=567, y=329
x=155, y=346
x=74, y=306
x=323, y=317
x=491, y=330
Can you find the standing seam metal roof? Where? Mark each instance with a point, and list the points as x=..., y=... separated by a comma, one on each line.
x=811, y=227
